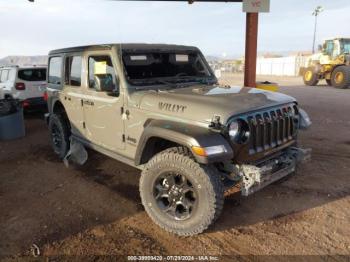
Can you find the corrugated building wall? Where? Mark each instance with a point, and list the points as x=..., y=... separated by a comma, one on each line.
x=281, y=66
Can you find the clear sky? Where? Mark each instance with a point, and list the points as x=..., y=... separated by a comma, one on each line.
x=217, y=28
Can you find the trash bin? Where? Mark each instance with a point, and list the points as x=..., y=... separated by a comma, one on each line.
x=269, y=86
x=11, y=119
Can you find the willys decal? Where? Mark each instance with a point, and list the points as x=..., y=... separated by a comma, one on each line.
x=172, y=107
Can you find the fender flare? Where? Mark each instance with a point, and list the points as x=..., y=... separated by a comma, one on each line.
x=184, y=134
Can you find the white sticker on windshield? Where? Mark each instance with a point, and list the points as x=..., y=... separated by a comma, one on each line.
x=138, y=58
x=181, y=58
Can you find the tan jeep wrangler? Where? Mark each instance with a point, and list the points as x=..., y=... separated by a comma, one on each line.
x=160, y=108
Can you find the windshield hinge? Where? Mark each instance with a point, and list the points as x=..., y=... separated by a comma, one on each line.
x=215, y=122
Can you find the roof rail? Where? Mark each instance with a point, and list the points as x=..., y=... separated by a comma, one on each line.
x=9, y=66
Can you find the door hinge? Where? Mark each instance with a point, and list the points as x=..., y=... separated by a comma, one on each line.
x=123, y=137
x=122, y=110
x=84, y=126
x=82, y=102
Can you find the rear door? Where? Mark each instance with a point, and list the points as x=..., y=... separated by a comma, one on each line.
x=72, y=95
x=34, y=80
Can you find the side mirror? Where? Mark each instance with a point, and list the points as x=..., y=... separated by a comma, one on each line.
x=320, y=48
x=104, y=83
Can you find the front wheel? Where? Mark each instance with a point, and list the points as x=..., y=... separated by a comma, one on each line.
x=310, y=77
x=180, y=195
x=341, y=77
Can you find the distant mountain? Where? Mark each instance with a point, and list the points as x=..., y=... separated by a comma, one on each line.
x=211, y=58
x=23, y=60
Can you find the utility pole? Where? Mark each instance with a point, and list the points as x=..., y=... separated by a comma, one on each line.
x=316, y=13
x=252, y=22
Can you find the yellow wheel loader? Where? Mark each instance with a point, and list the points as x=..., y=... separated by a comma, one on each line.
x=331, y=64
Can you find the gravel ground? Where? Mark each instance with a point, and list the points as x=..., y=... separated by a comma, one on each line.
x=96, y=209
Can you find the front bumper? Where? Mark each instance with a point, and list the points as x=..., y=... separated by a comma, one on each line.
x=255, y=178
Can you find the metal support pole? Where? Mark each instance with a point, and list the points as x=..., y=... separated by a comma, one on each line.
x=315, y=31
x=251, y=50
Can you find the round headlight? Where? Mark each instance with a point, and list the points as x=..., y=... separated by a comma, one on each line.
x=234, y=129
x=239, y=131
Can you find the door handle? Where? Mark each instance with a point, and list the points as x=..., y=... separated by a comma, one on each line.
x=89, y=103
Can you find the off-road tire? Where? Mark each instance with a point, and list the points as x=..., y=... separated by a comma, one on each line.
x=310, y=77
x=329, y=82
x=204, y=178
x=345, y=71
x=58, y=122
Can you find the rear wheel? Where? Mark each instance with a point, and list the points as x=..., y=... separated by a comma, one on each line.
x=310, y=77
x=341, y=77
x=59, y=134
x=180, y=195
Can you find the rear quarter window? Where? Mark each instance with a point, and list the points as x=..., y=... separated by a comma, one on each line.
x=4, y=75
x=32, y=75
x=55, y=71
x=12, y=74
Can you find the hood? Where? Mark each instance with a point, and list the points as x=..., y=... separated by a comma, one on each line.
x=202, y=103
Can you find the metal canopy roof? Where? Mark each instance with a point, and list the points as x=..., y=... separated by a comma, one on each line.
x=189, y=1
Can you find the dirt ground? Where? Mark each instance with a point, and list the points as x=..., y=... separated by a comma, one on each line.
x=96, y=209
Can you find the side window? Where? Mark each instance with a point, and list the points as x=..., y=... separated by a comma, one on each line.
x=101, y=69
x=73, y=67
x=12, y=75
x=4, y=76
x=336, y=49
x=55, y=74
x=330, y=48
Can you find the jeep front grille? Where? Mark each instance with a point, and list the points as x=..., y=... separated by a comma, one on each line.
x=271, y=128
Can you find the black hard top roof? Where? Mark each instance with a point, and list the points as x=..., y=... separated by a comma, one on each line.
x=129, y=47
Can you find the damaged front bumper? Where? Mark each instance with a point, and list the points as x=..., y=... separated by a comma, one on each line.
x=255, y=178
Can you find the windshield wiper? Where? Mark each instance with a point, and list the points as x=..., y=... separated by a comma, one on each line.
x=171, y=84
x=176, y=82
x=201, y=80
x=148, y=82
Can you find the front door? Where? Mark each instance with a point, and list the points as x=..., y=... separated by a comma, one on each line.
x=102, y=109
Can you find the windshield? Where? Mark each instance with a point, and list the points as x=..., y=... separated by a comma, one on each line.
x=148, y=67
x=346, y=46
